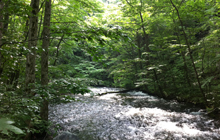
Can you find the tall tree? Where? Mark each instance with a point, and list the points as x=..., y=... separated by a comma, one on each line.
x=44, y=57
x=1, y=33
x=32, y=45
x=190, y=52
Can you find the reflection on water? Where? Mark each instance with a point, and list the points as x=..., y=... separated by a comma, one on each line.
x=132, y=116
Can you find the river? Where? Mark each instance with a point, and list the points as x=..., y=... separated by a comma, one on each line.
x=132, y=116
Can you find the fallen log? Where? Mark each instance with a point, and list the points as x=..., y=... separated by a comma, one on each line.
x=121, y=91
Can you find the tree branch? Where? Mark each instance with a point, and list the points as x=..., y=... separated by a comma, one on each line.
x=189, y=49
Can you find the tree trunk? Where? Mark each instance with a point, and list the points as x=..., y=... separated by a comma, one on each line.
x=40, y=24
x=146, y=37
x=44, y=58
x=32, y=44
x=185, y=64
x=1, y=34
x=17, y=74
x=30, y=62
x=190, y=54
x=6, y=17
x=158, y=84
x=139, y=49
x=57, y=52
x=183, y=56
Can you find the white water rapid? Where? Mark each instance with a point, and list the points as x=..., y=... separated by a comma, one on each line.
x=132, y=116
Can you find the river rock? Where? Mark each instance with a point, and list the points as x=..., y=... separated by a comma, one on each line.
x=66, y=136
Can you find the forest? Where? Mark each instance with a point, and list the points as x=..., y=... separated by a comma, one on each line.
x=52, y=49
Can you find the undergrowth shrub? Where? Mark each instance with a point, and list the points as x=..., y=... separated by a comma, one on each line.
x=25, y=110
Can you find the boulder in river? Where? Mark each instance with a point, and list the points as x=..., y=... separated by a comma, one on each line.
x=66, y=136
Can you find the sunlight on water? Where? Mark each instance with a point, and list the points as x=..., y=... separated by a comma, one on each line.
x=136, y=116
x=107, y=97
x=173, y=127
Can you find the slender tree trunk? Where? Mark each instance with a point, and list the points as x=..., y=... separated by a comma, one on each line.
x=40, y=24
x=6, y=17
x=185, y=64
x=189, y=49
x=139, y=49
x=186, y=69
x=158, y=84
x=57, y=52
x=17, y=71
x=146, y=44
x=183, y=56
x=146, y=37
x=32, y=45
x=44, y=57
x=217, y=63
x=30, y=62
x=26, y=31
x=13, y=75
x=1, y=34
x=203, y=56
x=17, y=74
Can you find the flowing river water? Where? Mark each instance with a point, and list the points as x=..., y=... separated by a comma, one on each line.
x=132, y=116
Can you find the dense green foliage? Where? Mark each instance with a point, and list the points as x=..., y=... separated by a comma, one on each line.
x=167, y=48
x=175, y=53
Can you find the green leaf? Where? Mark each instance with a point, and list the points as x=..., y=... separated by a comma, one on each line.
x=5, y=125
x=208, y=80
x=211, y=11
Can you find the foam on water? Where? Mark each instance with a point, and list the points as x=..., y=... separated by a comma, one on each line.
x=107, y=117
